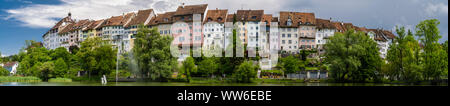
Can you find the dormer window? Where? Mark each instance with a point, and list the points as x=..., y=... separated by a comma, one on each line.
x=210, y=19
x=289, y=22
x=219, y=19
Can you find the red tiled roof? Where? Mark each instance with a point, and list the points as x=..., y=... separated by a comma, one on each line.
x=324, y=24
x=297, y=18
x=166, y=18
x=118, y=20
x=230, y=17
x=66, y=19
x=191, y=9
x=267, y=18
x=216, y=15
x=140, y=18
x=95, y=24
x=389, y=34
x=67, y=28
x=249, y=15
x=339, y=27
x=80, y=24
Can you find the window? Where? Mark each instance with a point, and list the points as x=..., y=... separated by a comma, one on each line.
x=283, y=42
x=290, y=41
x=289, y=35
x=283, y=35
x=253, y=17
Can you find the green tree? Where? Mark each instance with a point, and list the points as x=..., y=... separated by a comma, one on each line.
x=45, y=71
x=188, y=67
x=245, y=72
x=352, y=56
x=428, y=33
x=230, y=63
x=153, y=54
x=402, y=57
x=96, y=57
x=291, y=64
x=3, y=72
x=61, y=69
x=208, y=66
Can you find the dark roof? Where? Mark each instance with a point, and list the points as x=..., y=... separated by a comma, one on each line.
x=324, y=24
x=249, y=15
x=297, y=18
x=215, y=15
x=140, y=18
x=166, y=18
x=191, y=9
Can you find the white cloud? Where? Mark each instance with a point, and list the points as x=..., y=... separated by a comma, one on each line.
x=45, y=16
x=434, y=9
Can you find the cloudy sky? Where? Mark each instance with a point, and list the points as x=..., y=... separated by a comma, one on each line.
x=22, y=20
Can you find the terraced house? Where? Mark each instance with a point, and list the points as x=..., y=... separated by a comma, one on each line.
x=324, y=30
x=52, y=39
x=142, y=17
x=214, y=29
x=113, y=31
x=196, y=26
x=249, y=28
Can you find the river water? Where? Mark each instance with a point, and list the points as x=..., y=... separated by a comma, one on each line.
x=197, y=84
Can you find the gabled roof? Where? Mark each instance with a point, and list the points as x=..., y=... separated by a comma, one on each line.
x=67, y=28
x=166, y=18
x=95, y=24
x=216, y=16
x=66, y=19
x=118, y=20
x=275, y=19
x=80, y=25
x=191, y=9
x=230, y=17
x=297, y=18
x=388, y=34
x=324, y=24
x=339, y=26
x=140, y=18
x=267, y=18
x=249, y=15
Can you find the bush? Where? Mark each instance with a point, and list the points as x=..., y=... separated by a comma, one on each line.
x=60, y=80
x=3, y=72
x=245, y=72
x=19, y=79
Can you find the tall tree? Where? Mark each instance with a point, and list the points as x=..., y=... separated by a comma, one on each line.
x=153, y=54
x=428, y=33
x=188, y=67
x=230, y=63
x=352, y=56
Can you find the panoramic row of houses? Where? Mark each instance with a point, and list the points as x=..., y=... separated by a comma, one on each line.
x=289, y=32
